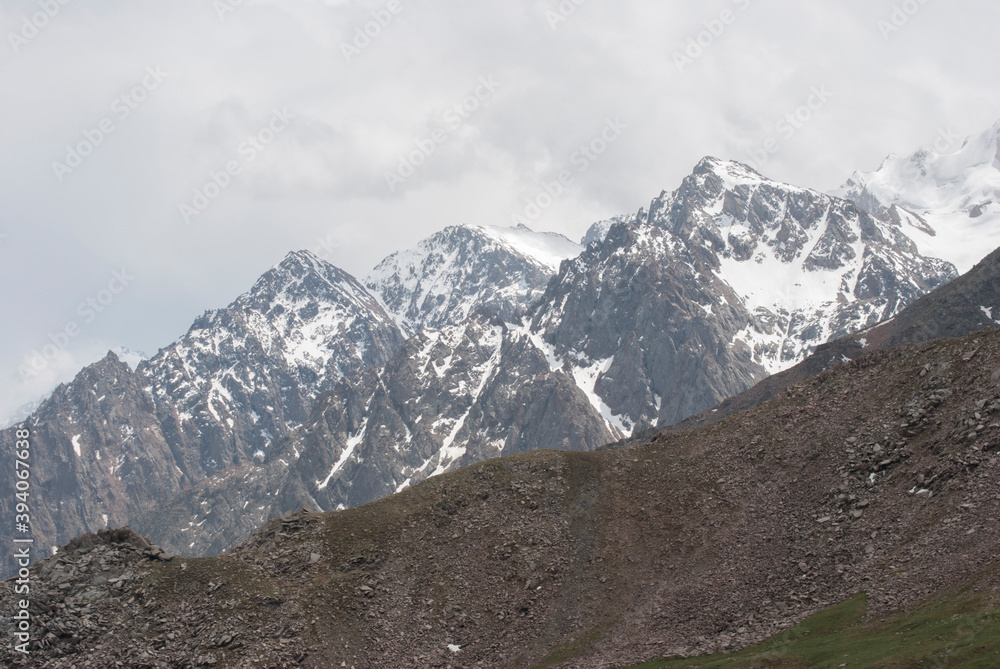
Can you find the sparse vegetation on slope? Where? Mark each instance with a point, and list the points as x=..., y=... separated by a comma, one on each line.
x=959, y=629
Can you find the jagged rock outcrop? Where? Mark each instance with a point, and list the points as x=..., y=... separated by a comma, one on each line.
x=114, y=443
x=98, y=456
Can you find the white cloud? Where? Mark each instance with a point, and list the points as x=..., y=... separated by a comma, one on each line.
x=325, y=174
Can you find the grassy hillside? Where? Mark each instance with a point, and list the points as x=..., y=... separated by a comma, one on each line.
x=958, y=630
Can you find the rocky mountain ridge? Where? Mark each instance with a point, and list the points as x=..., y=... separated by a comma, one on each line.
x=304, y=390
x=744, y=276
x=115, y=442
x=463, y=269
x=243, y=376
x=642, y=329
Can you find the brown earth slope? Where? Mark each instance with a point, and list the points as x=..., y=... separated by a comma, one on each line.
x=880, y=476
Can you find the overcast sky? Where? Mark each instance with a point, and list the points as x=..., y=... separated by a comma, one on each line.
x=493, y=99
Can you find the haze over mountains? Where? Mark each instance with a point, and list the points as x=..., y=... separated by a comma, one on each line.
x=318, y=388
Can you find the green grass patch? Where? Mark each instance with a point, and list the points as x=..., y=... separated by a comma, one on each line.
x=960, y=630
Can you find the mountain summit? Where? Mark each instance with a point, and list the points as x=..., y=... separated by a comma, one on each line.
x=452, y=273
x=947, y=197
x=674, y=309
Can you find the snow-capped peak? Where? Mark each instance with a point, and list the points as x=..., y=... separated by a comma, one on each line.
x=302, y=283
x=547, y=248
x=732, y=173
x=129, y=357
x=933, y=179
x=787, y=268
x=954, y=188
x=461, y=269
x=256, y=366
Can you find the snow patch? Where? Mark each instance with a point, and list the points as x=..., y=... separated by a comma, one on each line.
x=352, y=443
x=585, y=376
x=546, y=248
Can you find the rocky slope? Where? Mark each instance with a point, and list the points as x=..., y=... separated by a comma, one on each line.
x=462, y=269
x=878, y=476
x=945, y=197
x=114, y=442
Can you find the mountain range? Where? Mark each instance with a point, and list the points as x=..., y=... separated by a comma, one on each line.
x=317, y=388
x=874, y=482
